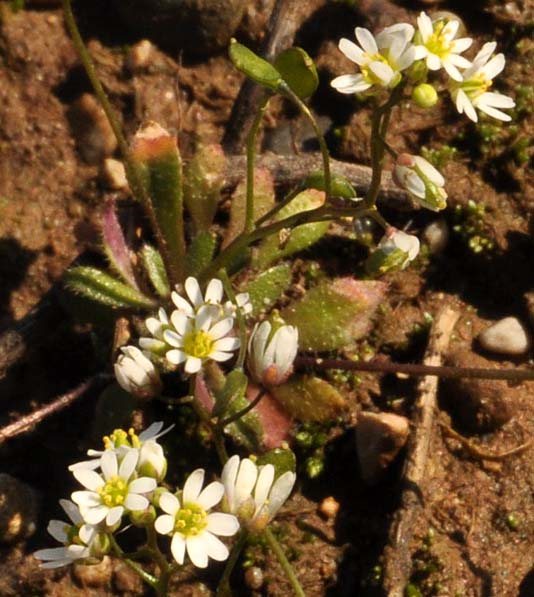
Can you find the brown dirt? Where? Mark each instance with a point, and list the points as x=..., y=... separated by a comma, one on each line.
x=480, y=513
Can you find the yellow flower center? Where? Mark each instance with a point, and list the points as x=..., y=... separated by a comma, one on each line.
x=438, y=43
x=190, y=520
x=119, y=437
x=198, y=344
x=476, y=86
x=114, y=492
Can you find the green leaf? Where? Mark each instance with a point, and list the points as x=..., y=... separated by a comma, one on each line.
x=253, y=66
x=103, y=288
x=298, y=71
x=203, y=180
x=341, y=187
x=248, y=430
x=283, y=461
x=155, y=269
x=335, y=313
x=300, y=237
x=266, y=288
x=200, y=253
x=235, y=387
x=309, y=398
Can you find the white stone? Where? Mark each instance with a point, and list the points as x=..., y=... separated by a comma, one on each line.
x=113, y=174
x=507, y=336
x=436, y=236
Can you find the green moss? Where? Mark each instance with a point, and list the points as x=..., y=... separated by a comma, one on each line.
x=470, y=226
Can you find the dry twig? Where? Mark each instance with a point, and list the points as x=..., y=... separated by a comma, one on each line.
x=397, y=555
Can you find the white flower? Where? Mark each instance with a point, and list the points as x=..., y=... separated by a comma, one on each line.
x=114, y=493
x=213, y=296
x=242, y=302
x=199, y=337
x=152, y=461
x=380, y=59
x=80, y=541
x=191, y=525
x=438, y=46
x=271, y=355
x=121, y=442
x=394, y=251
x=423, y=182
x=472, y=90
x=250, y=492
x=136, y=373
x=156, y=326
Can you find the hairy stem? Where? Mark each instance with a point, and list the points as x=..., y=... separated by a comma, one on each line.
x=284, y=562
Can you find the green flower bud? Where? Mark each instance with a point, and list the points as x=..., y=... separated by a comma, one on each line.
x=425, y=96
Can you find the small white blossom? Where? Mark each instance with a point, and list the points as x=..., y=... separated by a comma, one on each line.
x=381, y=59
x=438, y=46
x=424, y=183
x=198, y=338
x=136, y=373
x=394, y=251
x=271, y=355
x=191, y=525
x=471, y=92
x=242, y=302
x=116, y=492
x=156, y=326
x=80, y=541
x=213, y=296
x=252, y=494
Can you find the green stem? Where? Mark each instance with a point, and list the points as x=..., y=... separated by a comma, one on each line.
x=284, y=562
x=223, y=588
x=133, y=173
x=165, y=569
x=272, y=212
x=222, y=424
x=240, y=319
x=251, y=152
x=322, y=143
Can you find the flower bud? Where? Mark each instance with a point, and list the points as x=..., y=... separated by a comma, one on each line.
x=394, y=252
x=272, y=348
x=425, y=96
x=422, y=181
x=152, y=461
x=137, y=374
x=143, y=518
x=101, y=545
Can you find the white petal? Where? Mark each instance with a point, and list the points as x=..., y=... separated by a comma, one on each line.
x=128, y=464
x=55, y=564
x=383, y=71
x=352, y=51
x=245, y=481
x=429, y=171
x=164, y=524
x=87, y=499
x=228, y=478
x=406, y=59
x=151, y=344
x=58, y=529
x=464, y=105
x=221, y=328
x=192, y=365
x=153, y=325
x=226, y=344
x=211, y=495
x=451, y=29
x=496, y=100
x=433, y=62
x=425, y=26
x=87, y=533
x=494, y=113
x=54, y=553
x=214, y=291
x=220, y=356
x=109, y=464
x=114, y=515
x=280, y=492
x=204, y=317
x=89, y=479
x=152, y=431
x=182, y=304
x=420, y=52
x=263, y=485
x=197, y=551
x=169, y=503
x=456, y=60
x=193, y=291
x=179, y=321
x=215, y=548
x=71, y=510
x=461, y=45
x=175, y=356
x=193, y=486
x=135, y=502
x=452, y=71
x=366, y=40
x=225, y=525
x=95, y=515
x=142, y=485
x=178, y=548
x=494, y=66
x=350, y=84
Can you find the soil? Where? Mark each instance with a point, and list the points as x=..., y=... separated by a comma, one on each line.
x=475, y=536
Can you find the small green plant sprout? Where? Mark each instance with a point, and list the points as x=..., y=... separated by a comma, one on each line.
x=212, y=324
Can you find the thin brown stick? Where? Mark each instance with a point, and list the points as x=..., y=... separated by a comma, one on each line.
x=397, y=555
x=415, y=370
x=58, y=404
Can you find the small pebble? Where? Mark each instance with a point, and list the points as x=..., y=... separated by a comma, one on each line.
x=254, y=578
x=94, y=575
x=139, y=56
x=379, y=438
x=18, y=510
x=94, y=135
x=436, y=236
x=113, y=174
x=329, y=507
x=507, y=336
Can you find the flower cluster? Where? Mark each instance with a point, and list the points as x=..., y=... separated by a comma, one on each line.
x=123, y=481
x=401, y=50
